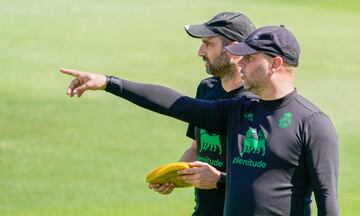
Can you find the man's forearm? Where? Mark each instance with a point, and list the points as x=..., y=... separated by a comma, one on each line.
x=168, y=102
x=153, y=97
x=190, y=153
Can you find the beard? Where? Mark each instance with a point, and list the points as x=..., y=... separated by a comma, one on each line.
x=257, y=84
x=220, y=66
x=255, y=87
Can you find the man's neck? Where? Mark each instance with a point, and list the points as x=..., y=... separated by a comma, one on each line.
x=277, y=90
x=232, y=81
x=274, y=95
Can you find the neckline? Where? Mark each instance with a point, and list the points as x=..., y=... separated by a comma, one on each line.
x=240, y=88
x=277, y=103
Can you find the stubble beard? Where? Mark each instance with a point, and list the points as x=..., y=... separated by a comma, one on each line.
x=254, y=86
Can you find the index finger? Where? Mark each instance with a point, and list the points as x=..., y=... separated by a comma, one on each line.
x=71, y=72
x=197, y=164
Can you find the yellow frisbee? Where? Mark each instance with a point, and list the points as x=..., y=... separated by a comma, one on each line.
x=167, y=173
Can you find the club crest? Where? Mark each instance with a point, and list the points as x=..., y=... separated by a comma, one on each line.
x=285, y=120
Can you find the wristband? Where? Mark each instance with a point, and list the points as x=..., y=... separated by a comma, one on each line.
x=221, y=183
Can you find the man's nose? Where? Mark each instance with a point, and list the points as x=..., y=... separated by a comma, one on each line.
x=201, y=51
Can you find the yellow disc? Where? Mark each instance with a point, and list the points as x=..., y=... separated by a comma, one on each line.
x=167, y=173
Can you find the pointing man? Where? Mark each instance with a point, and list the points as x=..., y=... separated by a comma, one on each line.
x=280, y=148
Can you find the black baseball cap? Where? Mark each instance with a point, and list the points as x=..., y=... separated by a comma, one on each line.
x=272, y=40
x=232, y=25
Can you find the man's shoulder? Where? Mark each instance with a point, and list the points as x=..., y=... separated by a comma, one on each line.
x=306, y=105
x=308, y=111
x=210, y=89
x=209, y=82
x=212, y=85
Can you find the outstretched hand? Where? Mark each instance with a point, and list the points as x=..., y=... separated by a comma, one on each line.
x=201, y=175
x=84, y=81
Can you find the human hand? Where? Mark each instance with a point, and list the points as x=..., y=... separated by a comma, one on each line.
x=163, y=189
x=201, y=175
x=84, y=81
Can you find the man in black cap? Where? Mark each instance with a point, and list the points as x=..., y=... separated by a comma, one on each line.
x=280, y=148
x=208, y=173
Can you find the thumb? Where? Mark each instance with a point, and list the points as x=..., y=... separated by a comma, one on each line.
x=81, y=89
x=152, y=186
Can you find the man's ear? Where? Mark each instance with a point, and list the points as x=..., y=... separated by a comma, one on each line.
x=277, y=63
x=235, y=59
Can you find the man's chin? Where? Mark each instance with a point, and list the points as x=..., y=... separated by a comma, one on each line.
x=208, y=71
x=218, y=74
x=247, y=87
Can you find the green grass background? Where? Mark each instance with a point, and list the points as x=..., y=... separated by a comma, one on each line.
x=89, y=156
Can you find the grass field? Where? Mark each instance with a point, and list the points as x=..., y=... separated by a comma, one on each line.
x=62, y=156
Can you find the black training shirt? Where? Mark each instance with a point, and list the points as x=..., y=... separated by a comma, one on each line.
x=278, y=151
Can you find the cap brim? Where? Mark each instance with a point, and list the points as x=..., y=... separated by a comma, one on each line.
x=199, y=31
x=240, y=49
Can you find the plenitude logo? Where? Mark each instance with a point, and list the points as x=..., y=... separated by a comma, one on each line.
x=253, y=144
x=210, y=149
x=209, y=142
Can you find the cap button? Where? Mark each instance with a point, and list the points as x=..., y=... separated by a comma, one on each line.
x=282, y=26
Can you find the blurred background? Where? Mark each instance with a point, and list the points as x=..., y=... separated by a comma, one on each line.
x=65, y=156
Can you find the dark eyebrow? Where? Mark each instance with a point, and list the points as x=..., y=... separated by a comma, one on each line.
x=252, y=55
x=205, y=40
